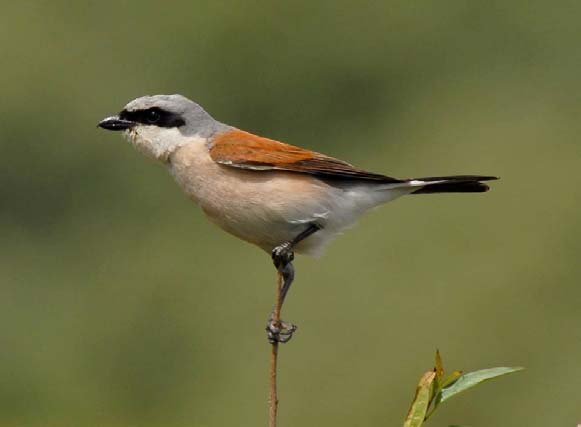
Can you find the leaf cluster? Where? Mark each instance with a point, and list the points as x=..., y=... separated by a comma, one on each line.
x=435, y=388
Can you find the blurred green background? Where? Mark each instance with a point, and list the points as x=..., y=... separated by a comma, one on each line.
x=120, y=305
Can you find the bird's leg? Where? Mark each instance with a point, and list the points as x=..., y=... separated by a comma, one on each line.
x=281, y=331
x=288, y=275
x=283, y=254
x=282, y=257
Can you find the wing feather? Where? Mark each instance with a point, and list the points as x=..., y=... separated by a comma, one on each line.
x=244, y=150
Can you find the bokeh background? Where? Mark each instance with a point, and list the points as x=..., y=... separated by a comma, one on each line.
x=120, y=305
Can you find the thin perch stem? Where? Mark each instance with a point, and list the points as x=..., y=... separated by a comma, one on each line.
x=273, y=401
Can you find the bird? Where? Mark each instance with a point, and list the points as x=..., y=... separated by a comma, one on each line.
x=282, y=198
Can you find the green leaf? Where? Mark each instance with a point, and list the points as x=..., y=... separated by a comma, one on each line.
x=451, y=378
x=439, y=368
x=439, y=381
x=472, y=379
x=437, y=399
x=417, y=412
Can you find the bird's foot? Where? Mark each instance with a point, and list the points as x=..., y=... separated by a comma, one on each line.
x=282, y=255
x=279, y=332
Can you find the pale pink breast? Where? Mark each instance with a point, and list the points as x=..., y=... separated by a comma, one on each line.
x=264, y=208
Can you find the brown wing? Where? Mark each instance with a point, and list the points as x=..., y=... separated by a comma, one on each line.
x=244, y=150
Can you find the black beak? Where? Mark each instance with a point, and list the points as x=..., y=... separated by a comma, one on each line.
x=115, y=123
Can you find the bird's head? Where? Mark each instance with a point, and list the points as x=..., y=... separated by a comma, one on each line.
x=157, y=125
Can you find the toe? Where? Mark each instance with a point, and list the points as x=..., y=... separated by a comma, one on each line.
x=282, y=255
x=280, y=333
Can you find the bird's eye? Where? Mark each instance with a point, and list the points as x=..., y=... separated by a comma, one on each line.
x=152, y=116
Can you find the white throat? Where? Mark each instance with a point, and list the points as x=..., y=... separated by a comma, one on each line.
x=155, y=142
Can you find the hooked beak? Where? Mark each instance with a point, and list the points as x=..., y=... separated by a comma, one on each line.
x=115, y=123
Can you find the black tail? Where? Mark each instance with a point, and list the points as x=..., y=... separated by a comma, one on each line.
x=454, y=184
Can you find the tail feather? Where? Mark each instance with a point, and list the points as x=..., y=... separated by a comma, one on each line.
x=453, y=184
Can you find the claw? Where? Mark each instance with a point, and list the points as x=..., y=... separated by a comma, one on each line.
x=282, y=255
x=279, y=332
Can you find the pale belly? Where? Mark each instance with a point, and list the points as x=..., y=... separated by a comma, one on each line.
x=263, y=208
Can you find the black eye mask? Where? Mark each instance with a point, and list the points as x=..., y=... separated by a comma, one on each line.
x=153, y=116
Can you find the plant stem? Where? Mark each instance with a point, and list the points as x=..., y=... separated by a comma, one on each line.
x=273, y=401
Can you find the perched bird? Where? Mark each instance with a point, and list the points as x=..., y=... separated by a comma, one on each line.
x=282, y=198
